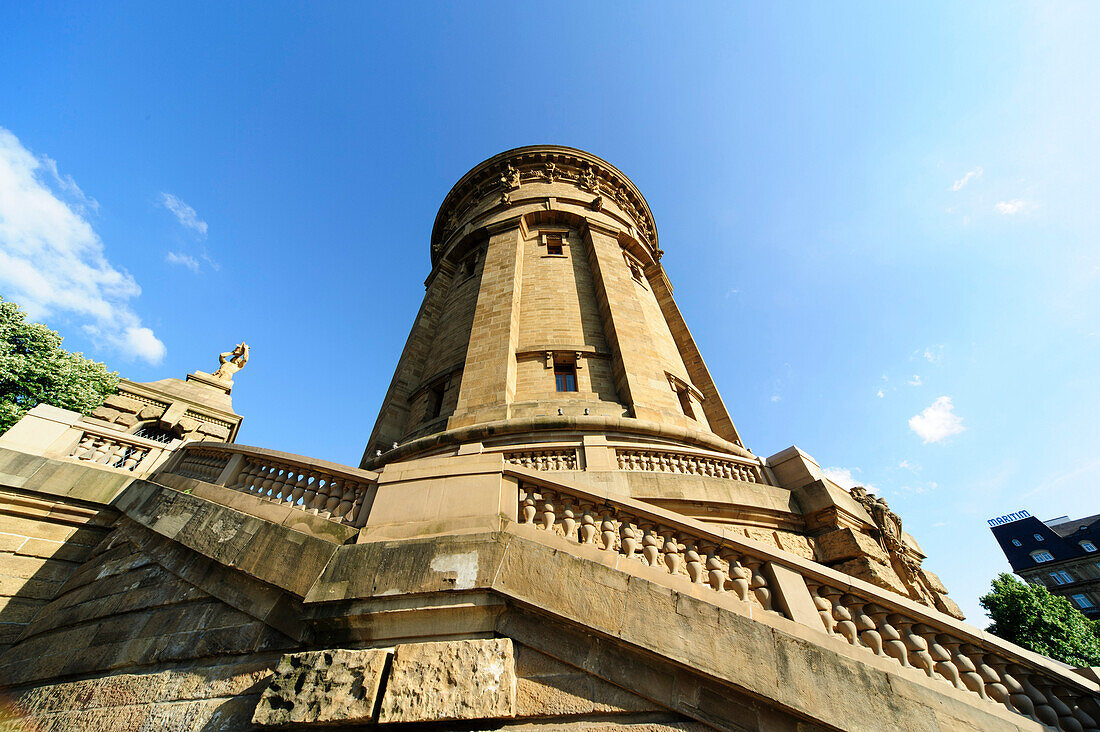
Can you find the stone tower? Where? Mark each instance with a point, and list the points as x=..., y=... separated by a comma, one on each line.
x=555, y=526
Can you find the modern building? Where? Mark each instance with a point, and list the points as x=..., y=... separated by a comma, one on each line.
x=555, y=526
x=1063, y=554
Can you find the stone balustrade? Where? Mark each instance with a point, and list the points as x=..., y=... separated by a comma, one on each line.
x=543, y=459
x=112, y=451
x=335, y=492
x=669, y=461
x=877, y=622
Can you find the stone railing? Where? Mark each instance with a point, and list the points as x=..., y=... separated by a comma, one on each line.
x=114, y=451
x=668, y=461
x=873, y=620
x=336, y=492
x=543, y=459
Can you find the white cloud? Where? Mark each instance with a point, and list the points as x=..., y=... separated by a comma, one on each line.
x=932, y=354
x=915, y=381
x=905, y=464
x=880, y=394
x=183, y=259
x=776, y=398
x=843, y=477
x=937, y=422
x=51, y=259
x=1016, y=205
x=186, y=215
x=970, y=175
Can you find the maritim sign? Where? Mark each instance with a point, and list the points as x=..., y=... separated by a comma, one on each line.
x=1008, y=518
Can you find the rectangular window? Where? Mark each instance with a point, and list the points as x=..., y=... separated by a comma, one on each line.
x=1041, y=557
x=554, y=245
x=1088, y=546
x=565, y=376
x=435, y=401
x=1061, y=578
x=1082, y=602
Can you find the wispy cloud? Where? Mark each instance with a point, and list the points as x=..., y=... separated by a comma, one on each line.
x=185, y=260
x=915, y=381
x=776, y=398
x=52, y=260
x=186, y=215
x=1008, y=208
x=937, y=422
x=970, y=175
x=906, y=465
x=932, y=354
x=843, y=477
x=880, y=393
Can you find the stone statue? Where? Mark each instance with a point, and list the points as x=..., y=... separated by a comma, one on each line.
x=232, y=362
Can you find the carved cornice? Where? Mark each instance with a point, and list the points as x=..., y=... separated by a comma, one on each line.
x=502, y=176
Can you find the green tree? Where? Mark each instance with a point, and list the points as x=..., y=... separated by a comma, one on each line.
x=35, y=369
x=1029, y=616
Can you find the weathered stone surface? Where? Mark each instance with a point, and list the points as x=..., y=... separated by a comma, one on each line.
x=187, y=424
x=332, y=686
x=106, y=413
x=844, y=544
x=127, y=420
x=546, y=687
x=122, y=403
x=877, y=573
x=435, y=682
x=214, y=430
x=150, y=412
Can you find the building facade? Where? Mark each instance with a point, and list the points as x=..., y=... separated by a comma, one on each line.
x=1062, y=554
x=555, y=525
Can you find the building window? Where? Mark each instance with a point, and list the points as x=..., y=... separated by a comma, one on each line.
x=1088, y=546
x=1038, y=537
x=554, y=244
x=685, y=403
x=635, y=268
x=1041, y=557
x=1016, y=542
x=565, y=375
x=1082, y=602
x=468, y=266
x=1061, y=578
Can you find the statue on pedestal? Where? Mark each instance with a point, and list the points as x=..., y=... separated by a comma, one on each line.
x=232, y=362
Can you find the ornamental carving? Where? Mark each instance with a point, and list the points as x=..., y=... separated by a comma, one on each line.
x=502, y=176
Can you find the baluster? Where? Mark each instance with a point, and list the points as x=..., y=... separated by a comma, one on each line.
x=967, y=670
x=760, y=587
x=628, y=533
x=86, y=449
x=320, y=496
x=335, y=492
x=100, y=452
x=1018, y=698
x=941, y=656
x=693, y=560
x=268, y=481
x=1066, y=720
x=278, y=478
x=547, y=510
x=650, y=544
x=845, y=624
x=568, y=518
x=868, y=632
x=716, y=575
x=889, y=635
x=740, y=576
x=133, y=457
x=917, y=645
x=1043, y=710
x=347, y=497
x=671, y=550
x=1074, y=700
x=607, y=529
x=528, y=506
x=824, y=608
x=995, y=686
x=353, y=513
x=588, y=523
x=300, y=487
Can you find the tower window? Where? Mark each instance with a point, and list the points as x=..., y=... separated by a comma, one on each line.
x=1088, y=546
x=685, y=403
x=435, y=401
x=1041, y=557
x=553, y=244
x=565, y=376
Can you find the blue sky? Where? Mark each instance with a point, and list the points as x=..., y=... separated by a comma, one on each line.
x=881, y=221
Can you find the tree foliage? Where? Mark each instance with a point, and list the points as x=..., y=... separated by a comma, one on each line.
x=35, y=369
x=1029, y=616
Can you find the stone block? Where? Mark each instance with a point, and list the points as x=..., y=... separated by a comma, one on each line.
x=877, y=573
x=150, y=412
x=187, y=424
x=331, y=686
x=443, y=681
x=214, y=430
x=106, y=413
x=123, y=403
x=846, y=543
x=127, y=420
